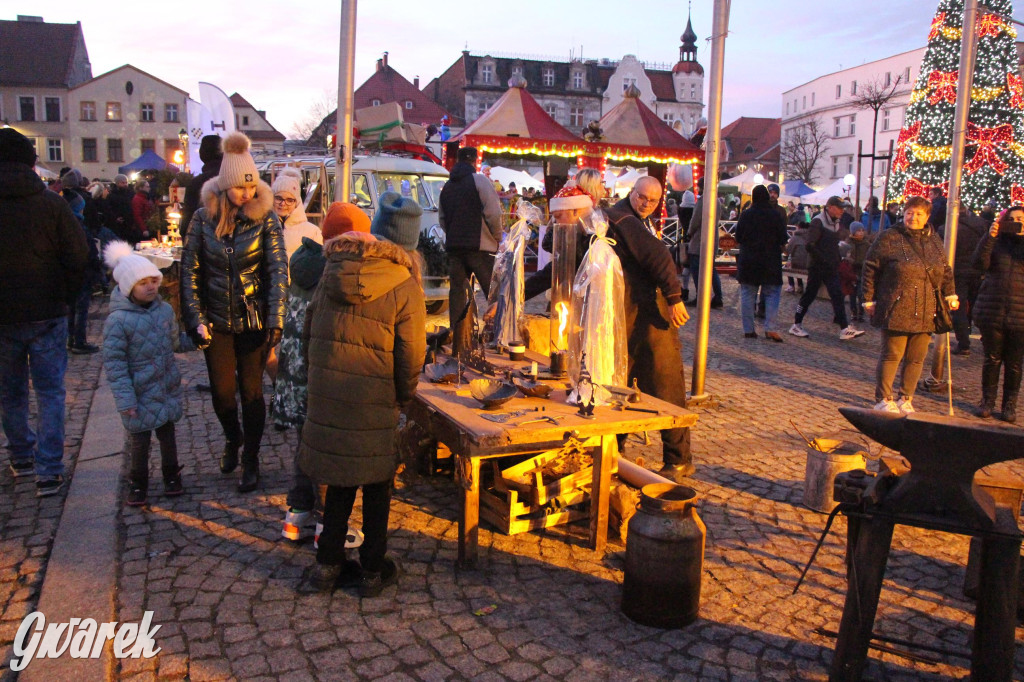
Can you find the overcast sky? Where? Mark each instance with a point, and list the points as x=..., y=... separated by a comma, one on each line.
x=282, y=56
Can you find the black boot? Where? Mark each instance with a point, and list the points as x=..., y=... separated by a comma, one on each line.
x=229, y=460
x=250, y=473
x=1009, y=413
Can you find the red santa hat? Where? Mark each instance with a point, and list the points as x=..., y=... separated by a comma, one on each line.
x=569, y=198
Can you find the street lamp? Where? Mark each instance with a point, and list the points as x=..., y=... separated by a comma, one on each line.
x=183, y=141
x=849, y=180
x=758, y=179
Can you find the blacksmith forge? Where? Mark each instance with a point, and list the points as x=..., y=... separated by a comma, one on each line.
x=938, y=493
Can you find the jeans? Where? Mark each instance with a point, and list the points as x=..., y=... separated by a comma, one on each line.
x=138, y=455
x=235, y=363
x=338, y=508
x=38, y=349
x=461, y=265
x=78, y=316
x=716, y=284
x=1002, y=346
x=748, y=296
x=912, y=349
x=815, y=278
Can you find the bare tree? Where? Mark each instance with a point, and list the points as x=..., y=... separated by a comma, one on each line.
x=874, y=96
x=319, y=109
x=803, y=147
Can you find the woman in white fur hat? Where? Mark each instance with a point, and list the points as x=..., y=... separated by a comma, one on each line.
x=288, y=206
x=233, y=287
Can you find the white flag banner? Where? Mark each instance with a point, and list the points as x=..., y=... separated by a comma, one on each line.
x=212, y=115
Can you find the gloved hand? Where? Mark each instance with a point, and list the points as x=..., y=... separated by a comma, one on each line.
x=273, y=337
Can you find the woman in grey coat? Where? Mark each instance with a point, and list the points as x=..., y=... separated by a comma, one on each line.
x=901, y=271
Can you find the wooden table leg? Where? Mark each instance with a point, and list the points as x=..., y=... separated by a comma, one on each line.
x=995, y=618
x=604, y=459
x=469, y=518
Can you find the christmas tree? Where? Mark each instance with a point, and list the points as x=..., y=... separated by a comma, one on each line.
x=994, y=153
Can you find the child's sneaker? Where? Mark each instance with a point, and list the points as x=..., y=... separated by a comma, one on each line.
x=316, y=535
x=888, y=405
x=48, y=485
x=904, y=406
x=136, y=496
x=297, y=525
x=850, y=333
x=797, y=330
x=172, y=483
x=22, y=467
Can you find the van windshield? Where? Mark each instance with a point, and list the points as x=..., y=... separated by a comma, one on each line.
x=408, y=185
x=434, y=183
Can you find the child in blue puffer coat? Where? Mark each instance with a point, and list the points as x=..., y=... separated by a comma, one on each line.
x=140, y=337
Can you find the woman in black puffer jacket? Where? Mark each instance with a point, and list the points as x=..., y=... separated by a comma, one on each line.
x=761, y=233
x=233, y=286
x=999, y=313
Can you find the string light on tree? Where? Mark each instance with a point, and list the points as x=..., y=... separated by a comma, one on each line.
x=994, y=154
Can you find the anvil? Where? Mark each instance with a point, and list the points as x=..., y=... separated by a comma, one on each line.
x=944, y=454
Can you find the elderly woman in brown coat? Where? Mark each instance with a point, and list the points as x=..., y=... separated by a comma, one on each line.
x=364, y=342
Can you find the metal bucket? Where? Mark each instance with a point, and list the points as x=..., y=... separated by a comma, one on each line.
x=664, y=558
x=826, y=458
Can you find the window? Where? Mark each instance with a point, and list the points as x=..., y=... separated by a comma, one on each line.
x=408, y=104
x=517, y=71
x=54, y=149
x=839, y=91
x=88, y=149
x=626, y=82
x=835, y=166
x=375, y=103
x=550, y=109
x=171, y=113
x=147, y=145
x=577, y=80
x=146, y=113
x=487, y=73
x=886, y=119
x=245, y=120
x=849, y=164
x=906, y=75
x=481, y=108
x=853, y=88
x=853, y=125
x=805, y=102
x=749, y=149
x=787, y=108
x=576, y=116
x=667, y=118
x=549, y=77
x=87, y=111
x=114, y=150
x=27, y=108
x=812, y=99
x=113, y=111
x=888, y=78
x=836, y=131
x=52, y=106
x=693, y=91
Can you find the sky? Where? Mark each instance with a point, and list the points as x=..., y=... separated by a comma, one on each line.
x=283, y=56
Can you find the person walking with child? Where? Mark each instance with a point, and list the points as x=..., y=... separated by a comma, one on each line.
x=140, y=337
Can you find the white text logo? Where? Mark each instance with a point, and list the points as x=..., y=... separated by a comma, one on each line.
x=81, y=638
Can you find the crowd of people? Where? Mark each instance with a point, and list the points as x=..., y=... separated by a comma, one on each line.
x=335, y=315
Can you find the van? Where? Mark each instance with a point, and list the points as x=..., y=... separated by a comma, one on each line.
x=372, y=176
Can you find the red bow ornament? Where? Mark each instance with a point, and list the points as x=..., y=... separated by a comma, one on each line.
x=938, y=23
x=943, y=86
x=986, y=139
x=1017, y=195
x=1015, y=86
x=989, y=25
x=907, y=135
x=916, y=188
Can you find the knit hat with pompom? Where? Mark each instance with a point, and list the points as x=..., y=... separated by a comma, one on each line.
x=237, y=168
x=288, y=181
x=128, y=266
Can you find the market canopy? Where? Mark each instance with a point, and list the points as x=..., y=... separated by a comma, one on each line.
x=516, y=124
x=148, y=160
x=508, y=175
x=632, y=132
x=838, y=189
x=744, y=182
x=796, y=188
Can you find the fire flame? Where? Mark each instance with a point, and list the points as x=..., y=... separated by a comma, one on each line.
x=563, y=320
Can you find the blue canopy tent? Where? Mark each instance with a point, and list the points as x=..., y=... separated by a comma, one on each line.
x=149, y=160
x=796, y=188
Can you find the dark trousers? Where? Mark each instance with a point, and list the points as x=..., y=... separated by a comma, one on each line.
x=138, y=454
x=656, y=362
x=962, y=318
x=716, y=283
x=462, y=264
x=830, y=278
x=78, y=315
x=1002, y=346
x=235, y=363
x=338, y=508
x=304, y=495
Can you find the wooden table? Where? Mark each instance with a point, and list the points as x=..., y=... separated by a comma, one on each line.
x=453, y=417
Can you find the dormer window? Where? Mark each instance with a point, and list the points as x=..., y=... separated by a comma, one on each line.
x=487, y=74
x=375, y=103
x=517, y=70
x=577, y=80
x=749, y=149
x=548, y=77
x=408, y=104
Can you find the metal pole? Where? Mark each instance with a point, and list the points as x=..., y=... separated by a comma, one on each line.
x=709, y=217
x=860, y=159
x=888, y=174
x=346, y=76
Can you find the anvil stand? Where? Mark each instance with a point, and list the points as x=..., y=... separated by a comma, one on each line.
x=936, y=493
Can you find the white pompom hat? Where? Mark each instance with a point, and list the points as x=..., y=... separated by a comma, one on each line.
x=289, y=181
x=128, y=267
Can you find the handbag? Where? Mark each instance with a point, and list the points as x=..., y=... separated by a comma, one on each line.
x=253, y=315
x=943, y=317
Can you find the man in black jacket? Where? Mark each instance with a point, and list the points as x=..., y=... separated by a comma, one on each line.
x=470, y=215
x=43, y=254
x=211, y=155
x=120, y=202
x=823, y=247
x=654, y=312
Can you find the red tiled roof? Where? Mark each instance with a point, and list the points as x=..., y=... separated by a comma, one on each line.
x=387, y=85
x=632, y=122
x=34, y=53
x=761, y=134
x=239, y=101
x=517, y=114
x=661, y=83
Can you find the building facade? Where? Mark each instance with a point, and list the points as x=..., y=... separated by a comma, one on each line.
x=750, y=142
x=121, y=114
x=40, y=63
x=253, y=122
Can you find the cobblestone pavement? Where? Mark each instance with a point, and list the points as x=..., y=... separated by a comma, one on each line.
x=27, y=523
x=221, y=581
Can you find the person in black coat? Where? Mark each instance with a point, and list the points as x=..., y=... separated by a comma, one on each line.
x=999, y=312
x=211, y=154
x=761, y=234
